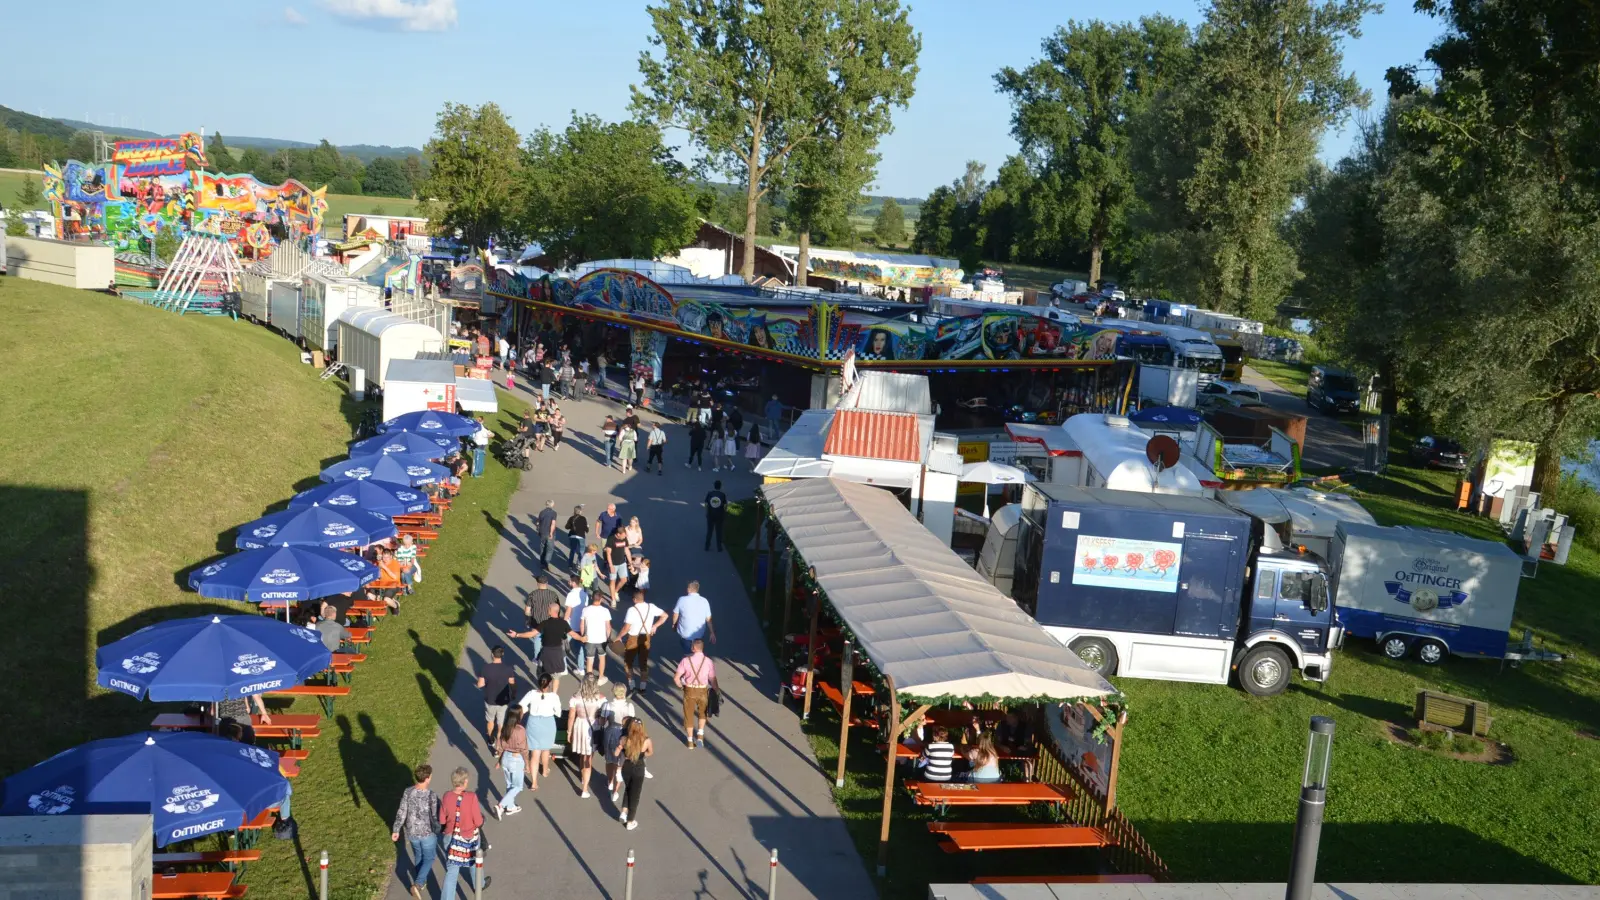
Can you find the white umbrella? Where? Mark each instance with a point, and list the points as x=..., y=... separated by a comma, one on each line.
x=993, y=473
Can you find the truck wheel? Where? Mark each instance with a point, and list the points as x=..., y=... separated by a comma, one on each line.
x=1264, y=671
x=1097, y=653
x=1431, y=652
x=1395, y=647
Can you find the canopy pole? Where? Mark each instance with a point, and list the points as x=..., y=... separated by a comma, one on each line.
x=772, y=571
x=788, y=596
x=892, y=752
x=811, y=651
x=847, y=685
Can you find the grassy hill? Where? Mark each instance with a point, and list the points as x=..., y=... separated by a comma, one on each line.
x=128, y=455
x=363, y=152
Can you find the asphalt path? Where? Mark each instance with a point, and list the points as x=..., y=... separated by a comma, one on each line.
x=1330, y=443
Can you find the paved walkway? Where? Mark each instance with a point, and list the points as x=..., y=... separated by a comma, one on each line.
x=1329, y=442
x=710, y=816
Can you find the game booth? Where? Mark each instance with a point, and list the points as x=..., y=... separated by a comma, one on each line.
x=903, y=637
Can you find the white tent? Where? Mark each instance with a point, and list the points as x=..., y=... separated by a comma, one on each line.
x=922, y=615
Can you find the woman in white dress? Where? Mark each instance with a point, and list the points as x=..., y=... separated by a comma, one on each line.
x=583, y=718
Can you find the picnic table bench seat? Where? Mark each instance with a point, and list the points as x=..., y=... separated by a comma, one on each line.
x=998, y=793
x=360, y=635
x=835, y=697
x=204, y=858
x=325, y=694
x=349, y=658
x=419, y=532
x=184, y=885
x=959, y=837
x=298, y=754
x=1107, y=878
x=432, y=520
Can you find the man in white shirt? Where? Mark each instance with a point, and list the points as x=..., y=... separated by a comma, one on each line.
x=572, y=606
x=596, y=633
x=638, y=627
x=502, y=347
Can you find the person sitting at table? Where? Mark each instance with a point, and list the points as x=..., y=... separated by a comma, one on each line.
x=985, y=762
x=938, y=756
x=238, y=710
x=389, y=571
x=1013, y=736
x=334, y=634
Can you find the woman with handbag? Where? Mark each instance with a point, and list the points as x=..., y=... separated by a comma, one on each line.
x=511, y=749
x=461, y=821
x=583, y=721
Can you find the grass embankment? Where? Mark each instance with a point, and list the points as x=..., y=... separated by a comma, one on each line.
x=1209, y=774
x=1290, y=376
x=133, y=443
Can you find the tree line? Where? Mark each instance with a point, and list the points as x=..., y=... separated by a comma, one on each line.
x=314, y=167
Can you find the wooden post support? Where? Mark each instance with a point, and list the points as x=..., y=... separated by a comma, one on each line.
x=772, y=573
x=811, y=651
x=788, y=595
x=888, y=778
x=847, y=685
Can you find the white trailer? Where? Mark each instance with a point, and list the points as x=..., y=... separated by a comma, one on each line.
x=416, y=385
x=369, y=338
x=1426, y=591
x=323, y=296
x=283, y=307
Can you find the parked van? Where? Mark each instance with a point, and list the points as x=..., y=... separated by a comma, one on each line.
x=1332, y=390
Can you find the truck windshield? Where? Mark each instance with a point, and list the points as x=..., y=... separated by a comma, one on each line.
x=1211, y=365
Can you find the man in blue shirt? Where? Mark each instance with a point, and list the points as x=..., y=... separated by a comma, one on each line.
x=691, y=618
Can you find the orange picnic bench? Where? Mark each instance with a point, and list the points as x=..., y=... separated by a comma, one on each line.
x=185, y=885
x=207, y=858
x=958, y=837
x=834, y=696
x=284, y=726
x=431, y=520
x=419, y=532
x=360, y=635
x=944, y=794
x=248, y=833
x=325, y=694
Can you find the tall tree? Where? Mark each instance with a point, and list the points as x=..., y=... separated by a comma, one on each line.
x=218, y=157
x=603, y=190
x=1225, y=148
x=752, y=82
x=29, y=196
x=384, y=177
x=1072, y=110
x=829, y=176
x=889, y=230
x=474, y=174
x=414, y=171
x=935, y=221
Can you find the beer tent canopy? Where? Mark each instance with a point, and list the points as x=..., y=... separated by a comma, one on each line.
x=920, y=614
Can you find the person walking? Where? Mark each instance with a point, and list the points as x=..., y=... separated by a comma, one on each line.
x=617, y=560
x=417, y=821
x=614, y=716
x=716, y=504
x=730, y=447
x=752, y=447
x=634, y=749
x=542, y=705
x=600, y=362
x=547, y=378
x=596, y=620
x=545, y=525
x=608, y=429
x=607, y=522
x=639, y=625
x=567, y=380
x=697, y=445
x=639, y=384
x=627, y=448
x=691, y=617
x=499, y=684
x=735, y=421
x=577, y=528
x=577, y=600
x=583, y=716
x=697, y=675
x=658, y=445
x=512, y=760
x=461, y=821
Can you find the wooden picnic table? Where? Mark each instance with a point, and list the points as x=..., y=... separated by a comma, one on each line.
x=903, y=752
x=248, y=834
x=285, y=726
x=359, y=635
x=433, y=520
x=325, y=694
x=195, y=884
x=207, y=858
x=834, y=696
x=944, y=794
x=957, y=837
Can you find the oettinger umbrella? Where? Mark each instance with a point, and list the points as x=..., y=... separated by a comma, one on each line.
x=427, y=446
x=211, y=658
x=993, y=473
x=384, y=497
x=408, y=470
x=432, y=422
x=192, y=783
x=283, y=573
x=315, y=526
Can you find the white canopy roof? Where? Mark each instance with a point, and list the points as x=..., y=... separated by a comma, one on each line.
x=476, y=395
x=922, y=615
x=1115, y=449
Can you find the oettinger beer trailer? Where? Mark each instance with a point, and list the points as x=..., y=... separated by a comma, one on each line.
x=1428, y=592
x=1171, y=587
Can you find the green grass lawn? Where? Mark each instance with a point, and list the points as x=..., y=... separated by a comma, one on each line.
x=1290, y=376
x=1039, y=278
x=1210, y=774
x=133, y=442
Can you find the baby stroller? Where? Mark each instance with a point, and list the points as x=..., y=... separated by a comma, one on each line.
x=517, y=453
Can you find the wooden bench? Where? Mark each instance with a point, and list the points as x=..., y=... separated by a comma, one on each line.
x=958, y=837
x=195, y=884
x=298, y=754
x=944, y=794
x=289, y=768
x=419, y=533
x=834, y=696
x=359, y=635
x=248, y=834
x=1109, y=878
x=325, y=693
x=1452, y=712
x=430, y=520
x=207, y=858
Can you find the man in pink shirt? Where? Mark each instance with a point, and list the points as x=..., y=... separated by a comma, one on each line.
x=697, y=675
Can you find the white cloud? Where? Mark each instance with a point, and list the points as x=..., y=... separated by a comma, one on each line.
x=406, y=15
x=293, y=16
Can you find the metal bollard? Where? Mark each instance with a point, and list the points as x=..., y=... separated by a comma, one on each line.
x=477, y=881
x=772, y=876
x=627, y=890
x=323, y=866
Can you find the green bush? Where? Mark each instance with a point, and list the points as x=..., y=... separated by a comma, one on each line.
x=1466, y=745
x=15, y=226
x=1580, y=503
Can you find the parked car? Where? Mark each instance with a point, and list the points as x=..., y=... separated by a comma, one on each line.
x=1229, y=393
x=1332, y=390
x=1435, y=452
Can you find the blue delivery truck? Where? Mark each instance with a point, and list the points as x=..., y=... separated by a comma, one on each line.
x=1172, y=587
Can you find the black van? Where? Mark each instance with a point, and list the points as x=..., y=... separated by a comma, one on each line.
x=1332, y=390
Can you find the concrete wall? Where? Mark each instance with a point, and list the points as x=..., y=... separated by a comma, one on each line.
x=69, y=263
x=71, y=857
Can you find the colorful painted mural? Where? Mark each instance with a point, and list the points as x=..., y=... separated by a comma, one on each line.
x=1017, y=334
x=887, y=274
x=156, y=185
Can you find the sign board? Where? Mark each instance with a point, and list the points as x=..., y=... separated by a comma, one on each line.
x=972, y=452
x=1126, y=564
x=1092, y=756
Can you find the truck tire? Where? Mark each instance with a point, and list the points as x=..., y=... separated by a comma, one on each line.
x=1097, y=654
x=1431, y=652
x=1265, y=670
x=1395, y=646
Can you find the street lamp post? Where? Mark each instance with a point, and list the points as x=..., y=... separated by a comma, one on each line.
x=1313, y=800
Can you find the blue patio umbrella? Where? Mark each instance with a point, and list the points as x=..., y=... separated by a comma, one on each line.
x=211, y=658
x=427, y=446
x=432, y=422
x=384, y=497
x=316, y=526
x=1166, y=416
x=194, y=784
x=283, y=573
x=411, y=471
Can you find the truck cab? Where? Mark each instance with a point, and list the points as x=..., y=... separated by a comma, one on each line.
x=1290, y=615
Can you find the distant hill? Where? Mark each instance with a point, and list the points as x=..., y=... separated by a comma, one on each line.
x=363, y=152
x=18, y=120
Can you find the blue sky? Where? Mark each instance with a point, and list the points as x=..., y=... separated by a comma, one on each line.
x=377, y=71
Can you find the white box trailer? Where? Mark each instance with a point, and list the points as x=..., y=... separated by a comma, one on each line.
x=283, y=308
x=90, y=267
x=414, y=385
x=369, y=338
x=1425, y=591
x=323, y=296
